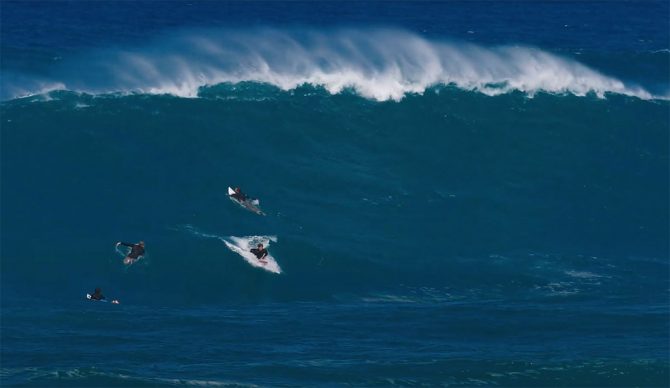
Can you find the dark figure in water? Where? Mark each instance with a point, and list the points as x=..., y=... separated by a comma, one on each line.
x=136, y=251
x=97, y=294
x=260, y=252
x=239, y=195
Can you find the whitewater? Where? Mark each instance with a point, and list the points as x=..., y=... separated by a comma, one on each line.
x=381, y=64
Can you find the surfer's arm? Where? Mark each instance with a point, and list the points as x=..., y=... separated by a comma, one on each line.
x=125, y=244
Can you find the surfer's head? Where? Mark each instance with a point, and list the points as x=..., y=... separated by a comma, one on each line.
x=141, y=243
x=97, y=290
x=237, y=190
x=260, y=246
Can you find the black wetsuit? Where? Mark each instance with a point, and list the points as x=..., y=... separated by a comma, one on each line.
x=97, y=296
x=136, y=250
x=260, y=253
x=239, y=196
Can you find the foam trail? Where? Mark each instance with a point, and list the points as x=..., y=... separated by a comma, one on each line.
x=242, y=246
x=380, y=64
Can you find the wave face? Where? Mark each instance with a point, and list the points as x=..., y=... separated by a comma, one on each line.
x=380, y=64
x=433, y=184
x=449, y=209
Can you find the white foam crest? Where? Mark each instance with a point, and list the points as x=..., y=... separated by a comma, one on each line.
x=15, y=85
x=380, y=64
x=242, y=246
x=584, y=275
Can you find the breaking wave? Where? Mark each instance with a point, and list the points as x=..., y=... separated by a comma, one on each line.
x=379, y=64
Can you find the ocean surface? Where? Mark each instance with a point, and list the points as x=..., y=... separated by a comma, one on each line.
x=457, y=193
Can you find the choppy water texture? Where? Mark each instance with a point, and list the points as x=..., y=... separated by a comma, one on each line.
x=456, y=193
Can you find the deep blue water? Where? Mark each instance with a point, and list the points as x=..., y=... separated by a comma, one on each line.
x=458, y=193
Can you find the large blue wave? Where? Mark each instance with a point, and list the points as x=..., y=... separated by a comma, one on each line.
x=449, y=194
x=379, y=64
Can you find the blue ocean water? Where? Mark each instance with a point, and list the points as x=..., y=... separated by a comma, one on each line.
x=457, y=193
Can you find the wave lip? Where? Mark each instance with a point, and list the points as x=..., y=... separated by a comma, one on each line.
x=16, y=85
x=379, y=64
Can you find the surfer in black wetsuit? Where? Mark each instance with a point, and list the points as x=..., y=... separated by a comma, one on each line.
x=239, y=195
x=260, y=252
x=136, y=251
x=97, y=294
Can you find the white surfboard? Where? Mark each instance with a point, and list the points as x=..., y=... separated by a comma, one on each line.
x=251, y=205
x=88, y=296
x=242, y=246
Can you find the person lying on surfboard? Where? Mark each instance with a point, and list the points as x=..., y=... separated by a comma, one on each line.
x=136, y=251
x=97, y=294
x=260, y=252
x=239, y=195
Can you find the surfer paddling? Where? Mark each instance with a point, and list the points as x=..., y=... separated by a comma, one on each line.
x=260, y=253
x=251, y=204
x=97, y=295
x=239, y=195
x=136, y=251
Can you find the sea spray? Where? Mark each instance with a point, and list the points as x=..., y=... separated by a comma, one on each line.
x=380, y=64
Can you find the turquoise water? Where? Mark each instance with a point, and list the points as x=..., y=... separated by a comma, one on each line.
x=466, y=205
